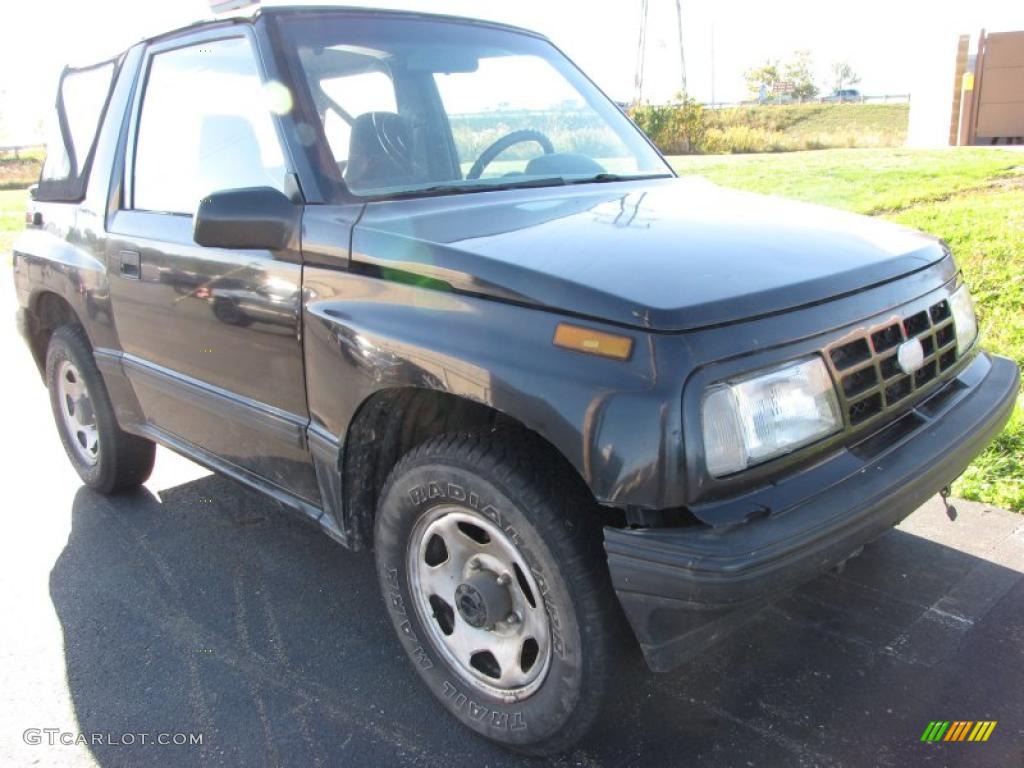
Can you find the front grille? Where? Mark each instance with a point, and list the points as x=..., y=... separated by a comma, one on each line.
x=871, y=381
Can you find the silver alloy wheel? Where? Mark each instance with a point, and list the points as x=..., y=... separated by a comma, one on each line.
x=479, y=601
x=77, y=413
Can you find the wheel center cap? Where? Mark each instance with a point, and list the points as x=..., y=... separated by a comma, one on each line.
x=481, y=601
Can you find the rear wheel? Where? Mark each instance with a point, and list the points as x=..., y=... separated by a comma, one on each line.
x=105, y=457
x=492, y=570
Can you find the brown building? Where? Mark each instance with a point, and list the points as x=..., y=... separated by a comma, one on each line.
x=988, y=100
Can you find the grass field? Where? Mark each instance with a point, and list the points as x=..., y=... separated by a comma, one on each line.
x=18, y=173
x=850, y=118
x=974, y=199
x=12, y=218
x=791, y=127
x=686, y=128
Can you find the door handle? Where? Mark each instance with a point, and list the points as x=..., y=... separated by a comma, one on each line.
x=131, y=266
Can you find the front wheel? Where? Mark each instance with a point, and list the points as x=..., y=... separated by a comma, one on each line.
x=492, y=570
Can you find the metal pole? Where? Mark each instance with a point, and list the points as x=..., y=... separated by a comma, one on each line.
x=641, y=51
x=682, y=52
x=712, y=65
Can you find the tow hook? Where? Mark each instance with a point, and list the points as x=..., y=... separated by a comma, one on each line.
x=841, y=565
x=944, y=494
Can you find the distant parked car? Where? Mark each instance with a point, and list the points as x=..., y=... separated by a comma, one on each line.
x=843, y=96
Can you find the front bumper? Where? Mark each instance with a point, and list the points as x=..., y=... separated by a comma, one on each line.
x=683, y=588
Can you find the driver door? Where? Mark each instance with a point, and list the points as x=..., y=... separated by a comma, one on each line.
x=211, y=337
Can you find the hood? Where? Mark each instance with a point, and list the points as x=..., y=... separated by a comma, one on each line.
x=671, y=254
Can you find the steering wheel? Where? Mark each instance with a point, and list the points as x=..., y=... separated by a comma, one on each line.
x=516, y=137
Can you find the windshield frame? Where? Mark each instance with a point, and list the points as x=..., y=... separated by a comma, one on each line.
x=304, y=116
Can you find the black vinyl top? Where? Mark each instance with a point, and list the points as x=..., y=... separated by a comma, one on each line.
x=302, y=10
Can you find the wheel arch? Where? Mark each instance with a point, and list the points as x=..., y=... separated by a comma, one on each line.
x=48, y=311
x=391, y=422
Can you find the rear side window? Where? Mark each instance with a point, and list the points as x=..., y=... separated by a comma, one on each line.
x=204, y=127
x=81, y=100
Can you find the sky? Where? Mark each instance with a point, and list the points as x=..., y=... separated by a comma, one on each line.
x=721, y=40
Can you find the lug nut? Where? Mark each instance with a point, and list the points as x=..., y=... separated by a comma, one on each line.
x=512, y=618
x=504, y=579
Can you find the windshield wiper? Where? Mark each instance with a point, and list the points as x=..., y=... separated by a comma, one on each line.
x=438, y=190
x=606, y=177
x=458, y=189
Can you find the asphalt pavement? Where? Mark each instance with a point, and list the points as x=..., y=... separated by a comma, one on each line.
x=197, y=607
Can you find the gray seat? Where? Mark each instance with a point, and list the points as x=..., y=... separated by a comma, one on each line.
x=381, y=153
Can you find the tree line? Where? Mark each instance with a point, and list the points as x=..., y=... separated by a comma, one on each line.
x=797, y=70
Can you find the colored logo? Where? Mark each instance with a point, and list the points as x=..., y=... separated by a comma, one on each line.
x=958, y=730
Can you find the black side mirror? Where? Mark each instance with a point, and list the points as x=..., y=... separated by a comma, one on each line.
x=253, y=217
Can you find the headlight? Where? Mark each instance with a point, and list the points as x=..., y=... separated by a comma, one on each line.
x=964, y=319
x=755, y=419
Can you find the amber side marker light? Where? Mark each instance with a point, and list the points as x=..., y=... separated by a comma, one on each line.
x=593, y=342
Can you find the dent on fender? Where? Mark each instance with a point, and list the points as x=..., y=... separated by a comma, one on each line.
x=607, y=417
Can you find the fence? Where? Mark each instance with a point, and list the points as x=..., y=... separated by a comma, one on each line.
x=899, y=98
x=885, y=98
x=17, y=149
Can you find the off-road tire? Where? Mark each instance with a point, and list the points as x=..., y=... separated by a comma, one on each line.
x=515, y=482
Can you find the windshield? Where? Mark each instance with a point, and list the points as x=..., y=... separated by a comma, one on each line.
x=412, y=106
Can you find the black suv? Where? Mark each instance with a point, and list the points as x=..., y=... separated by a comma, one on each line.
x=419, y=280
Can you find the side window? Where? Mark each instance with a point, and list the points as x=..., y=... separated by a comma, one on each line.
x=204, y=127
x=57, y=165
x=82, y=94
x=350, y=96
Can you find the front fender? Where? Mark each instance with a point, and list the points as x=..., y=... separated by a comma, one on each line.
x=617, y=423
